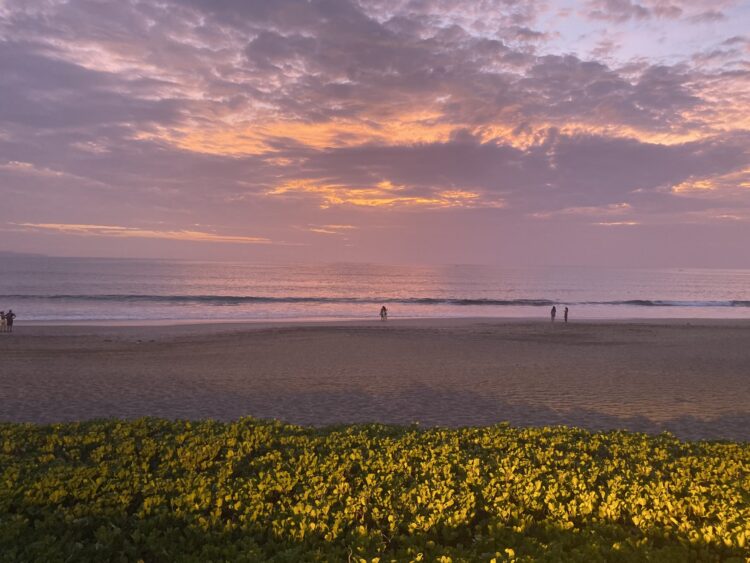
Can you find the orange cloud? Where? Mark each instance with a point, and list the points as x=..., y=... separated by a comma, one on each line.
x=245, y=138
x=132, y=232
x=242, y=139
x=722, y=183
x=383, y=194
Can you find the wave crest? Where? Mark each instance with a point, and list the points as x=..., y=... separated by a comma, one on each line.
x=230, y=300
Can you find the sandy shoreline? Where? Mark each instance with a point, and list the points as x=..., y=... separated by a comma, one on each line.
x=200, y=324
x=691, y=377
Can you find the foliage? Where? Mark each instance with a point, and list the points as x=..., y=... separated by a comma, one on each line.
x=252, y=490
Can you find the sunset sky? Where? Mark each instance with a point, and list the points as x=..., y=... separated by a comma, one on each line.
x=599, y=132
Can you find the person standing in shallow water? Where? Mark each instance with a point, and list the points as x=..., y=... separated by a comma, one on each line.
x=383, y=313
x=553, y=313
x=566, y=314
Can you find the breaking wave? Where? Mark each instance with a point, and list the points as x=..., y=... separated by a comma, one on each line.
x=230, y=300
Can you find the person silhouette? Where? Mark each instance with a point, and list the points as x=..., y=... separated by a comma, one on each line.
x=383, y=313
x=9, y=316
x=566, y=314
x=553, y=313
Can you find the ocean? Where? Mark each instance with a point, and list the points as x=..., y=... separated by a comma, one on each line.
x=126, y=290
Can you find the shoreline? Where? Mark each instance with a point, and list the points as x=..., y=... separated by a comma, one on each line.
x=168, y=330
x=359, y=321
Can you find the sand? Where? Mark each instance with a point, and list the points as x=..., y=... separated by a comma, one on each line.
x=691, y=378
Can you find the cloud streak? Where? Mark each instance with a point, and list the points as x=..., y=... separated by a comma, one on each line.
x=134, y=232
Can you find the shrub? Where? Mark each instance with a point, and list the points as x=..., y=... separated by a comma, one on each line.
x=252, y=490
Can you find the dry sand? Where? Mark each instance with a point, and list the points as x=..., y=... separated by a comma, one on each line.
x=688, y=377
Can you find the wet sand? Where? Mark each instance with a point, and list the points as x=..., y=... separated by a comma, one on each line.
x=691, y=378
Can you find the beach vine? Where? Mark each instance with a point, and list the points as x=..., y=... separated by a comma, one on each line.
x=253, y=490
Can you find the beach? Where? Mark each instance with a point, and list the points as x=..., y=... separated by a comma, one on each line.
x=691, y=378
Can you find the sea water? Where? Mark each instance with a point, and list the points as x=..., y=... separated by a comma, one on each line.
x=41, y=288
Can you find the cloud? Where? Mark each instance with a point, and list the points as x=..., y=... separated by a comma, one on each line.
x=330, y=229
x=618, y=10
x=243, y=77
x=558, y=171
x=342, y=112
x=692, y=11
x=134, y=232
x=383, y=194
x=727, y=185
x=604, y=210
x=709, y=16
x=40, y=91
x=735, y=39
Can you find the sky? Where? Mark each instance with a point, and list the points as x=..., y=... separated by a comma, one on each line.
x=601, y=132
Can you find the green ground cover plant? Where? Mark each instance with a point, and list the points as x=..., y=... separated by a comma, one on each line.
x=251, y=490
